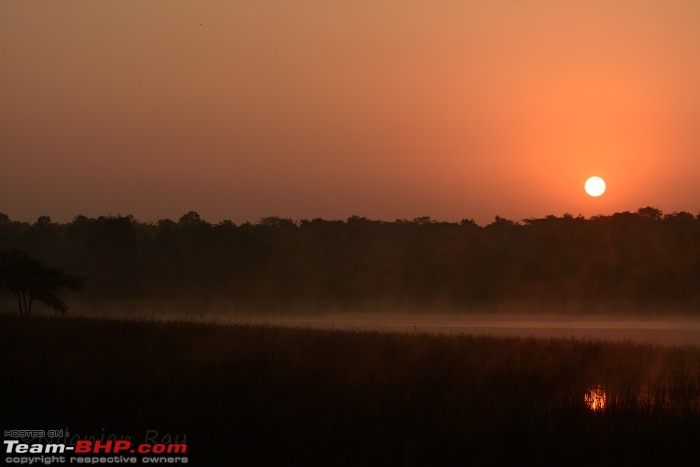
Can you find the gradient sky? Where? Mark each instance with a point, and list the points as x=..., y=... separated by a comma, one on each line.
x=387, y=109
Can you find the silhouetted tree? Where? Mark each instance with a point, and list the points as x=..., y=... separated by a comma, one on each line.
x=30, y=279
x=650, y=213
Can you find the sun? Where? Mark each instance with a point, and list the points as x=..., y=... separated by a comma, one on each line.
x=595, y=186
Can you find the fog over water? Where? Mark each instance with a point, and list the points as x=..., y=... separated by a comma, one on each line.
x=674, y=330
x=663, y=328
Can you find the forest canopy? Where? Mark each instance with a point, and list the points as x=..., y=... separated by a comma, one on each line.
x=644, y=257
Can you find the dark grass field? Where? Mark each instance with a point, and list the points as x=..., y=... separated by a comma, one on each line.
x=262, y=395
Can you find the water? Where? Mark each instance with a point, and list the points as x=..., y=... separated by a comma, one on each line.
x=655, y=330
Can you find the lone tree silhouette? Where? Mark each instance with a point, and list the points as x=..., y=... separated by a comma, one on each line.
x=31, y=279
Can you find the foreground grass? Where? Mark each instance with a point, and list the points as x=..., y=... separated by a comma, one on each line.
x=258, y=395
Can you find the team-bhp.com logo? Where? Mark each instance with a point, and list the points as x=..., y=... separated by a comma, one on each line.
x=84, y=446
x=92, y=451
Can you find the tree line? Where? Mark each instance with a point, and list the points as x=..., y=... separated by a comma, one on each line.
x=643, y=257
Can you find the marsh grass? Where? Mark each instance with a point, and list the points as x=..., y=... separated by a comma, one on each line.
x=263, y=395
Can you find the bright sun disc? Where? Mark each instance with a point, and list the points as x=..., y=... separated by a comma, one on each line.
x=595, y=186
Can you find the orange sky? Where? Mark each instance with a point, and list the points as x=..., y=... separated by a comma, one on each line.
x=387, y=109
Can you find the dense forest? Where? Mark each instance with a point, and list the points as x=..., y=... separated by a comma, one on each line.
x=645, y=258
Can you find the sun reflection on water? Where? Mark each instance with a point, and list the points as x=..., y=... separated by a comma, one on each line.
x=595, y=398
